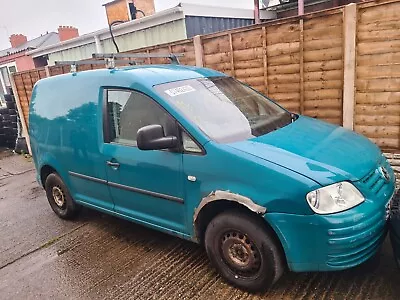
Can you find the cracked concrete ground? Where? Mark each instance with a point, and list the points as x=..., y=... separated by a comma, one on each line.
x=102, y=257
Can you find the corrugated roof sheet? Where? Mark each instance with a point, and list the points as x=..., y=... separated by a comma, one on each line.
x=159, y=34
x=203, y=25
x=173, y=14
x=142, y=24
x=41, y=41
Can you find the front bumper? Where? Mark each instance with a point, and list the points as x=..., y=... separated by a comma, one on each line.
x=342, y=240
x=332, y=242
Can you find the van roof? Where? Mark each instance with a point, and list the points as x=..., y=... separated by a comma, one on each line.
x=150, y=75
x=158, y=74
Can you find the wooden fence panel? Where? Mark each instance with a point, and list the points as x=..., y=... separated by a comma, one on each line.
x=21, y=93
x=377, y=108
x=283, y=64
x=24, y=82
x=323, y=67
x=217, y=54
x=186, y=47
x=57, y=70
x=247, y=55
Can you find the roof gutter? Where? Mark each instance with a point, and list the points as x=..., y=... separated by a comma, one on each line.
x=292, y=5
x=166, y=16
x=192, y=9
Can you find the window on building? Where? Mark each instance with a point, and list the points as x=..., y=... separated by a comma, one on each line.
x=2, y=101
x=2, y=92
x=12, y=69
x=5, y=75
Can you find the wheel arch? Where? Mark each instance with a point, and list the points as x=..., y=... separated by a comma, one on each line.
x=45, y=171
x=47, y=163
x=215, y=203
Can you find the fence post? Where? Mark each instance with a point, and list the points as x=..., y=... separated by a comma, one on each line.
x=198, y=51
x=21, y=115
x=231, y=55
x=47, y=70
x=301, y=45
x=349, y=84
x=265, y=58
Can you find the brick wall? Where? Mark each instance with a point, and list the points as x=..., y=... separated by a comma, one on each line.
x=67, y=32
x=17, y=40
x=24, y=63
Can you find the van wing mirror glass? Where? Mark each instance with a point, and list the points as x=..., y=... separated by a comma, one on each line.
x=152, y=137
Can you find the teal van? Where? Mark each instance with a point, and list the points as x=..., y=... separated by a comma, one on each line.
x=199, y=155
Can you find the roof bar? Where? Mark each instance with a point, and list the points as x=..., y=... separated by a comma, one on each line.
x=109, y=63
x=111, y=59
x=174, y=57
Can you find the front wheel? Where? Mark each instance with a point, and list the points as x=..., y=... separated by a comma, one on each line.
x=244, y=251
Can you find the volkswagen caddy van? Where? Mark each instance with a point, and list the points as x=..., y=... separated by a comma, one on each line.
x=197, y=154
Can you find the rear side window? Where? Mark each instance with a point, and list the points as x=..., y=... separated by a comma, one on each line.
x=128, y=111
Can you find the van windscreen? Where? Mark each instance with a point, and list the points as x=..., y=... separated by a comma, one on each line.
x=224, y=109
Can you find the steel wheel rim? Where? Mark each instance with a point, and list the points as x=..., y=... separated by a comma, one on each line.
x=240, y=253
x=58, y=196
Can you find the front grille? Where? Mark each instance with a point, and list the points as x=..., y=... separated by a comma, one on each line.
x=373, y=181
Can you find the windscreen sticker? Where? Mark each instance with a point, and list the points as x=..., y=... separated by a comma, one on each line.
x=180, y=90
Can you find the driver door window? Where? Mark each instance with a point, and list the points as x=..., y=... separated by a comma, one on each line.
x=128, y=111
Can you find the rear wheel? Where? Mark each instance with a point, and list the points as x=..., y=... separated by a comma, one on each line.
x=244, y=251
x=59, y=197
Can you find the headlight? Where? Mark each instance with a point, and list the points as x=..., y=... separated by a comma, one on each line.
x=334, y=198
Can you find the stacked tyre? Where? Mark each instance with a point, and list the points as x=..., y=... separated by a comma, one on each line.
x=8, y=123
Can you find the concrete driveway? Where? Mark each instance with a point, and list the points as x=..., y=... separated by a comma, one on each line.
x=102, y=257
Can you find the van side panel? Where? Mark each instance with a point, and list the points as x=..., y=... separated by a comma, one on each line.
x=65, y=134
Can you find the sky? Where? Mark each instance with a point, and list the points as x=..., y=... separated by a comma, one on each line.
x=35, y=17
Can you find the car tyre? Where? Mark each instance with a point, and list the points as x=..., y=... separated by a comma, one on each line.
x=59, y=198
x=244, y=250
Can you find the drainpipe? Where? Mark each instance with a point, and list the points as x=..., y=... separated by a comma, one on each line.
x=256, y=11
x=99, y=47
x=301, y=7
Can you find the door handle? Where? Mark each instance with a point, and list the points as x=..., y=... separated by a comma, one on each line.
x=113, y=164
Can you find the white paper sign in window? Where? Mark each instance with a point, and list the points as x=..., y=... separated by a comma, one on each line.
x=180, y=90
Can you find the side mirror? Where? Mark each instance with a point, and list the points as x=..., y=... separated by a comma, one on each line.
x=152, y=137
